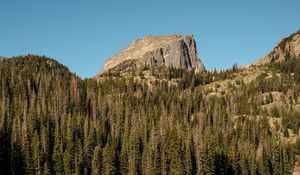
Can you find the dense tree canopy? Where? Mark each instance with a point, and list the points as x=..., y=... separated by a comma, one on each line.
x=53, y=122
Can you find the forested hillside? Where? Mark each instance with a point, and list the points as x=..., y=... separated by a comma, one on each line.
x=160, y=121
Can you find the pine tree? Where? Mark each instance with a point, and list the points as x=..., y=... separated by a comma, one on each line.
x=78, y=158
x=244, y=164
x=207, y=155
x=173, y=153
x=234, y=157
x=96, y=162
x=188, y=160
x=108, y=161
x=46, y=169
x=57, y=156
x=253, y=166
x=135, y=156
x=123, y=161
x=36, y=153
x=67, y=162
x=5, y=147
x=276, y=160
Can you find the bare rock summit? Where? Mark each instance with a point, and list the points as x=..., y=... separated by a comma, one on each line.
x=287, y=48
x=156, y=51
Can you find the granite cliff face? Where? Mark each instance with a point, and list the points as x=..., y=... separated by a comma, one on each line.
x=287, y=48
x=155, y=51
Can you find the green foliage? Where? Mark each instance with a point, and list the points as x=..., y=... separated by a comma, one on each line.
x=97, y=161
x=108, y=155
x=53, y=122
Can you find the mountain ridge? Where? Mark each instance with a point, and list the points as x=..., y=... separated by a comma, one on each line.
x=286, y=48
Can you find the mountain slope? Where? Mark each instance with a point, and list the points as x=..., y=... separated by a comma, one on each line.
x=152, y=121
x=287, y=48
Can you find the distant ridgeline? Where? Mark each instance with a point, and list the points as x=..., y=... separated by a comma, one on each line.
x=152, y=119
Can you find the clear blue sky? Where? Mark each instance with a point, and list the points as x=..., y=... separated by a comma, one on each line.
x=82, y=34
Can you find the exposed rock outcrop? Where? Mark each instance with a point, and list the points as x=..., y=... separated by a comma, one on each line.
x=155, y=51
x=287, y=48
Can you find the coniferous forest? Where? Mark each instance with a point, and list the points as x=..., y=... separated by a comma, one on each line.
x=54, y=122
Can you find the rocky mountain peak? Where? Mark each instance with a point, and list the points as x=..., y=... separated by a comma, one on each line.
x=285, y=49
x=155, y=51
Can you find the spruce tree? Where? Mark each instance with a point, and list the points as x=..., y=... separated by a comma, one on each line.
x=97, y=162
x=108, y=160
